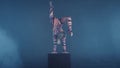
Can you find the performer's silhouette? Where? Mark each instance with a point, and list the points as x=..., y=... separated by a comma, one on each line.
x=58, y=32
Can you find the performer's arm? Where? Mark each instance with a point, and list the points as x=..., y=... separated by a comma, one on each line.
x=51, y=11
x=69, y=22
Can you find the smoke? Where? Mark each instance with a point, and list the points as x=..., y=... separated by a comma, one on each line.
x=9, y=56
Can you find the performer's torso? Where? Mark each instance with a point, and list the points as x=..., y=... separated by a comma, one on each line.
x=57, y=26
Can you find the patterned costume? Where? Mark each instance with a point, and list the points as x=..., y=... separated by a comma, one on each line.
x=58, y=32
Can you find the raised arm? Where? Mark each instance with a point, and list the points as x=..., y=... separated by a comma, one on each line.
x=51, y=11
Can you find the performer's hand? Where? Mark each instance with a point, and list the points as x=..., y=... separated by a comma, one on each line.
x=71, y=34
x=50, y=3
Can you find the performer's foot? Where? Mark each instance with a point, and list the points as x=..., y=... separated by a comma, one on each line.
x=65, y=52
x=54, y=52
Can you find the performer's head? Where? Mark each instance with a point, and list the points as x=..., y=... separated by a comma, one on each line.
x=65, y=19
x=69, y=18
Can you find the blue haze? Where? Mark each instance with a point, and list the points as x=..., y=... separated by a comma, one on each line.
x=26, y=33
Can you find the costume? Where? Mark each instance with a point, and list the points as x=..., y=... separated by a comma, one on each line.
x=59, y=34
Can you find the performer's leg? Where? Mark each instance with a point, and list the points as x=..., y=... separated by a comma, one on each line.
x=55, y=44
x=64, y=43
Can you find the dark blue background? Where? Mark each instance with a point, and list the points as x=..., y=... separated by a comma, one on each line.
x=96, y=27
